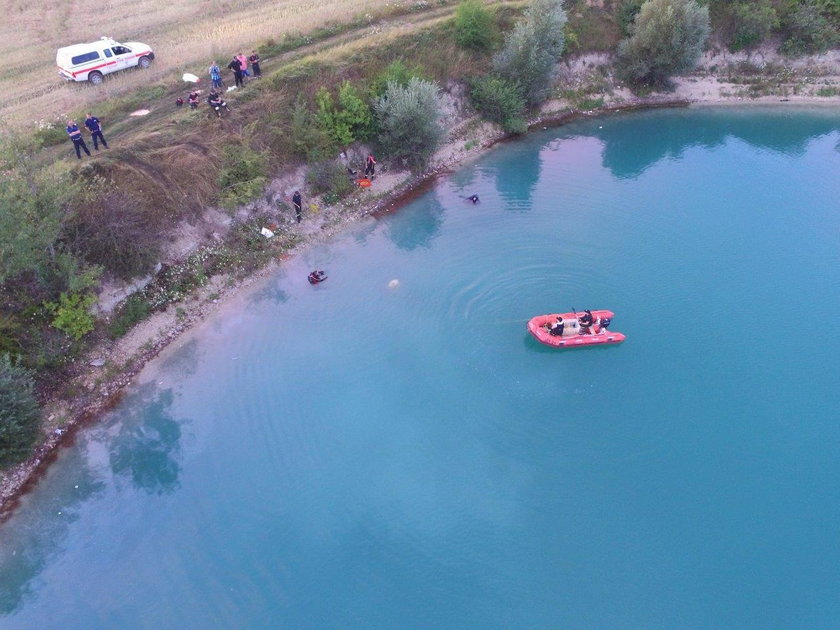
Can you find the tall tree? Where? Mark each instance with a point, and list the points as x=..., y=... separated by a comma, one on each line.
x=667, y=39
x=532, y=49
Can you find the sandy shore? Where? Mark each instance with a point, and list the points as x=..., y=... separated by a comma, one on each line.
x=104, y=372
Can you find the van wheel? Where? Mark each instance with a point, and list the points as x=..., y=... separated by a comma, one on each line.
x=144, y=62
x=95, y=78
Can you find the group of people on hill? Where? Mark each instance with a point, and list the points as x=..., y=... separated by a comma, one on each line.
x=214, y=100
x=239, y=65
x=94, y=127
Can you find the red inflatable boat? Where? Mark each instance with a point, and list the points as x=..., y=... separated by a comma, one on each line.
x=575, y=332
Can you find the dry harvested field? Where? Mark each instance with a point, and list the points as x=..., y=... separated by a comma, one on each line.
x=185, y=35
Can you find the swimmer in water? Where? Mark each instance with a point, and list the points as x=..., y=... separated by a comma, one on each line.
x=473, y=198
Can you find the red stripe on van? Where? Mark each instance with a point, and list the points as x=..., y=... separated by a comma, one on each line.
x=101, y=65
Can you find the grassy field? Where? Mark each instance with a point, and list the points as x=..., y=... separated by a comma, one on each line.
x=186, y=36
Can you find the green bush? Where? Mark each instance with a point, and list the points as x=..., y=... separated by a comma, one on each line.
x=831, y=10
x=243, y=175
x=50, y=134
x=18, y=413
x=349, y=120
x=309, y=139
x=397, y=72
x=409, y=122
x=754, y=22
x=809, y=31
x=474, y=26
x=532, y=48
x=498, y=100
x=626, y=14
x=72, y=314
x=134, y=310
x=668, y=39
x=330, y=178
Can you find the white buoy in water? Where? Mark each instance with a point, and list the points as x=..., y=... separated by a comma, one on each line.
x=393, y=284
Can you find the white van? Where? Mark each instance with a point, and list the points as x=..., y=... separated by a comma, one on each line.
x=91, y=62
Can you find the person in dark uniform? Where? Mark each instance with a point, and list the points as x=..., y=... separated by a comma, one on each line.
x=556, y=329
x=76, y=136
x=95, y=128
x=236, y=66
x=297, y=201
x=255, y=63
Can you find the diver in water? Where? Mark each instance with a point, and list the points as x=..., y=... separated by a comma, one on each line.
x=473, y=198
x=317, y=276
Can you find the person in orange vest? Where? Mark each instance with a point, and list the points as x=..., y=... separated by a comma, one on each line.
x=76, y=136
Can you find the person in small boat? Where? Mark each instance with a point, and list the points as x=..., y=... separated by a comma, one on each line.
x=586, y=322
x=317, y=276
x=556, y=329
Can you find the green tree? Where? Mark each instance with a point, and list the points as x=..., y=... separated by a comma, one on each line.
x=34, y=204
x=754, y=22
x=354, y=111
x=345, y=122
x=668, y=39
x=532, y=49
x=309, y=140
x=18, y=413
x=626, y=14
x=809, y=30
x=474, y=26
x=409, y=122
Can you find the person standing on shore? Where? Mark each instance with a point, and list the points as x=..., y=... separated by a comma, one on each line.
x=255, y=63
x=76, y=136
x=243, y=61
x=216, y=75
x=95, y=128
x=296, y=202
x=237, y=71
x=370, y=166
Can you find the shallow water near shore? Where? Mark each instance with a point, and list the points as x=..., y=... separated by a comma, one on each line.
x=354, y=455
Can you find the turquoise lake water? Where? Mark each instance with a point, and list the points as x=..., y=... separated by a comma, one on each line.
x=357, y=456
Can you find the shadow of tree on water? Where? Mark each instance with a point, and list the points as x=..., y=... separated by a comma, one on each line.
x=147, y=448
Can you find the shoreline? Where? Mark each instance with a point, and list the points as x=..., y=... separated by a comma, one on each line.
x=65, y=418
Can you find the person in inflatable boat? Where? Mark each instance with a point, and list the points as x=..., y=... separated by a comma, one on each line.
x=556, y=329
x=586, y=322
